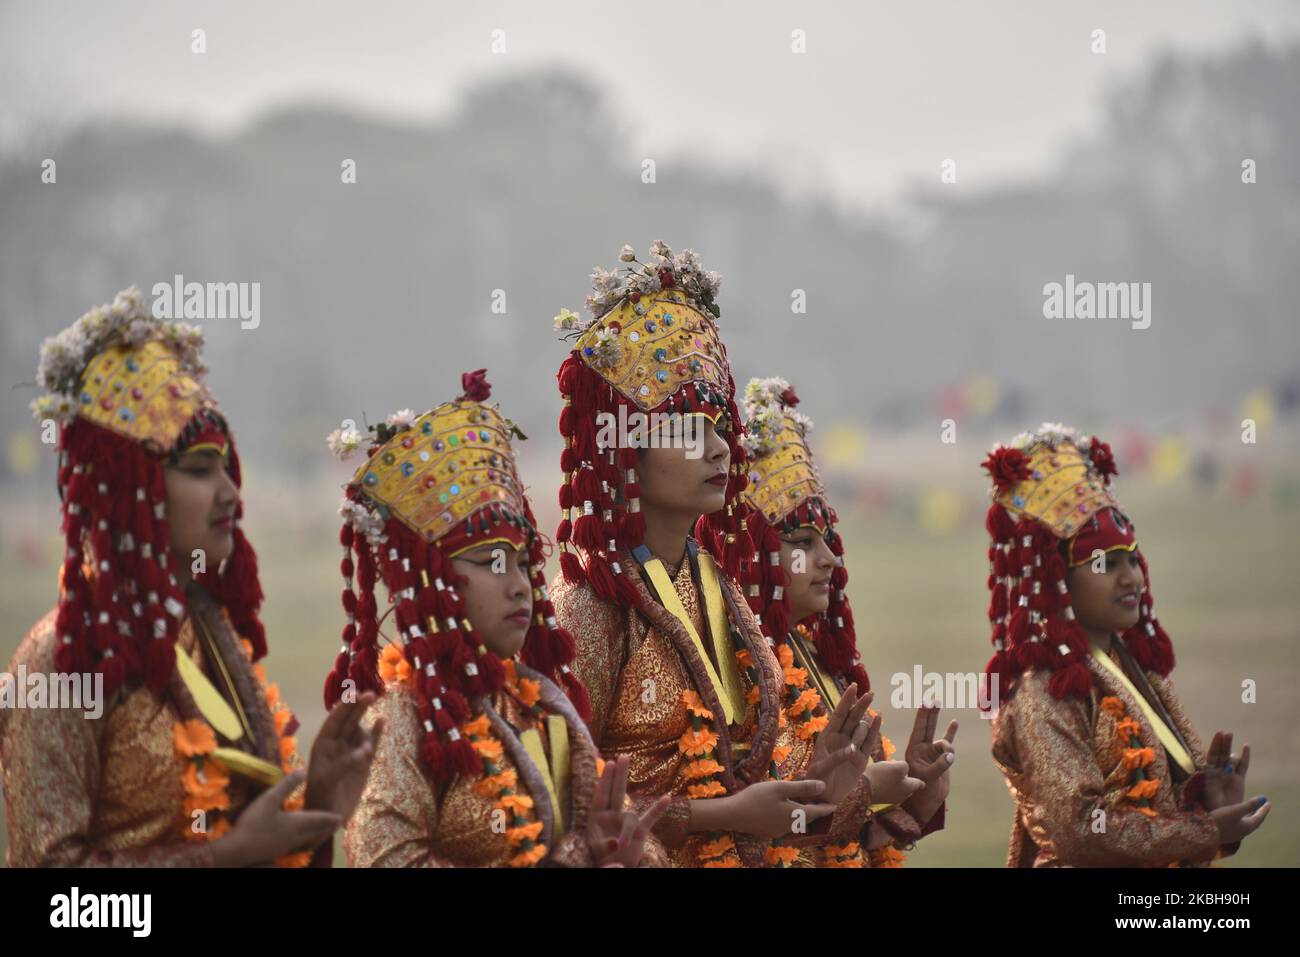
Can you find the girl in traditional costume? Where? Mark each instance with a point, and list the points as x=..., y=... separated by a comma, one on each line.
x=486, y=759
x=192, y=759
x=681, y=679
x=1098, y=754
x=796, y=584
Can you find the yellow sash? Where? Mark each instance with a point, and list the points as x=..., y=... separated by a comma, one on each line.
x=555, y=774
x=557, y=731
x=214, y=708
x=1173, y=746
x=720, y=628
x=217, y=712
x=241, y=762
x=727, y=688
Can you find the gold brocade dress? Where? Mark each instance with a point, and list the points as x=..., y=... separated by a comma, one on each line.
x=404, y=821
x=108, y=792
x=1069, y=766
x=636, y=666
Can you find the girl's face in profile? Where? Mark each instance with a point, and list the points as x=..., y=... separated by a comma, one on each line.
x=201, y=503
x=808, y=562
x=497, y=593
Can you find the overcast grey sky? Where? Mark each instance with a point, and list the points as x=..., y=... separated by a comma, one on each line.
x=884, y=93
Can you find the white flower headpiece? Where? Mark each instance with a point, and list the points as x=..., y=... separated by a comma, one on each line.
x=767, y=404
x=64, y=357
x=1049, y=433
x=363, y=519
x=665, y=270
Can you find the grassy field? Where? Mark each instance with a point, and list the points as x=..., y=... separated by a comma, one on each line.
x=1225, y=585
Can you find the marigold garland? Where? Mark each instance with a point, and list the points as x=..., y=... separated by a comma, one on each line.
x=703, y=769
x=887, y=856
x=803, y=701
x=776, y=854
x=285, y=725
x=499, y=784
x=842, y=855
x=1136, y=758
x=205, y=779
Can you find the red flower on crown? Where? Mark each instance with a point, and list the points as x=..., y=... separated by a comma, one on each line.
x=789, y=398
x=476, y=386
x=1102, y=459
x=1007, y=466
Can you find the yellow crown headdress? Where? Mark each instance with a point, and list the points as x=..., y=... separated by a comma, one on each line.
x=782, y=475
x=437, y=471
x=653, y=328
x=1062, y=488
x=122, y=369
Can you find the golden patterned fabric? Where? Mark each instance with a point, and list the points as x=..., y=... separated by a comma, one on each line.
x=107, y=792
x=403, y=821
x=635, y=669
x=1063, y=760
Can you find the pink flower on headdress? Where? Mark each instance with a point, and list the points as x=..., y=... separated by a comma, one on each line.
x=1007, y=466
x=1102, y=459
x=476, y=386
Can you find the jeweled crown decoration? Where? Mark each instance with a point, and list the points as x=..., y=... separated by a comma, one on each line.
x=653, y=327
x=141, y=393
x=1061, y=487
x=435, y=472
x=782, y=474
x=124, y=370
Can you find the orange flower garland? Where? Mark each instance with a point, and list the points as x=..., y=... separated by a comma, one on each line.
x=499, y=784
x=697, y=743
x=842, y=855
x=776, y=854
x=886, y=856
x=393, y=666
x=805, y=700
x=1136, y=758
x=205, y=779
x=290, y=760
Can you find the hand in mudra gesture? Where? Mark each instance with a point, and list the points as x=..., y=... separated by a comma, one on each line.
x=617, y=833
x=841, y=752
x=341, y=757
x=929, y=759
x=1225, y=772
